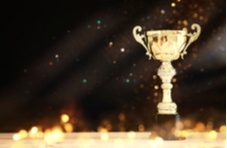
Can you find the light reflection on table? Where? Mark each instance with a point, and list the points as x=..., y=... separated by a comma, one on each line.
x=113, y=140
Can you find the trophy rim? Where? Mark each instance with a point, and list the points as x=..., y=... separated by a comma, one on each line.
x=166, y=32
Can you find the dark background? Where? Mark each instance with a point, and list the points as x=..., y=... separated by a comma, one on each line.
x=80, y=58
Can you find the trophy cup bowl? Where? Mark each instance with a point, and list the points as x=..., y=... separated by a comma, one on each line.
x=166, y=46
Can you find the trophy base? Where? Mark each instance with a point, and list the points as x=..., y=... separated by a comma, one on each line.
x=166, y=127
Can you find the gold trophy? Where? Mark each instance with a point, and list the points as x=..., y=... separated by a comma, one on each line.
x=166, y=46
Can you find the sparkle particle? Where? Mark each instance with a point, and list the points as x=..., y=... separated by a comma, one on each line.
x=51, y=63
x=110, y=44
x=56, y=56
x=201, y=18
x=84, y=81
x=141, y=86
x=134, y=80
x=127, y=80
x=148, y=17
x=155, y=94
x=154, y=77
x=98, y=22
x=195, y=15
x=98, y=27
x=162, y=11
x=156, y=87
x=174, y=80
x=122, y=50
x=88, y=26
x=173, y=4
x=185, y=22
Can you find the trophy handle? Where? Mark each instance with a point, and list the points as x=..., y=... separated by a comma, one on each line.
x=192, y=37
x=140, y=38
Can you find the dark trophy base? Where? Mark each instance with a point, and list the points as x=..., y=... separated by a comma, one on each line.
x=165, y=127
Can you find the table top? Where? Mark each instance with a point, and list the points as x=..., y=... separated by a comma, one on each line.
x=111, y=140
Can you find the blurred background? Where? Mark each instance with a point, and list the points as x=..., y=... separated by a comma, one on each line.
x=80, y=59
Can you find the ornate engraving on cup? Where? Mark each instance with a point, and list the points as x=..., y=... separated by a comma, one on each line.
x=166, y=46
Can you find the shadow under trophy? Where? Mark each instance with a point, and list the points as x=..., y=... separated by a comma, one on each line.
x=166, y=46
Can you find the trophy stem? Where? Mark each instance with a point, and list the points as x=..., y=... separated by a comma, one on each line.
x=166, y=73
x=167, y=117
